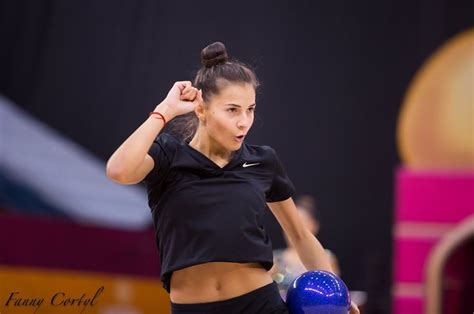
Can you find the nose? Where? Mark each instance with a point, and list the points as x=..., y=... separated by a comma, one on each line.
x=244, y=121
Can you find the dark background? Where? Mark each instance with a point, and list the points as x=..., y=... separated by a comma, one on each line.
x=333, y=77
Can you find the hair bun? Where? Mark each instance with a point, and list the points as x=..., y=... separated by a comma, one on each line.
x=214, y=54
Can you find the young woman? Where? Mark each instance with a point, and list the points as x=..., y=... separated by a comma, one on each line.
x=208, y=195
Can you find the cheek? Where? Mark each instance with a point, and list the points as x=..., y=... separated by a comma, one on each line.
x=218, y=124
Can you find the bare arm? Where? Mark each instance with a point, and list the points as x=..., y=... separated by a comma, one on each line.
x=310, y=251
x=130, y=163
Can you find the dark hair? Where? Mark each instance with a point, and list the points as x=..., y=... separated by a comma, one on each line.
x=217, y=71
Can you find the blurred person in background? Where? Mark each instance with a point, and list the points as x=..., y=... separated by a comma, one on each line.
x=286, y=263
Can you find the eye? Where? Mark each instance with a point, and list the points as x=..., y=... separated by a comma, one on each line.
x=232, y=110
x=252, y=108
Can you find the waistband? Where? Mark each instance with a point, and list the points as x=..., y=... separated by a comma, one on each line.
x=228, y=302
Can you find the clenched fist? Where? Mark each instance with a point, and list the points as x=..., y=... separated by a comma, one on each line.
x=181, y=99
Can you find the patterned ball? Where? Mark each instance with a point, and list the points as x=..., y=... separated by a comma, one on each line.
x=318, y=292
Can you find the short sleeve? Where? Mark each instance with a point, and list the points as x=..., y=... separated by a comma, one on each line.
x=281, y=188
x=162, y=151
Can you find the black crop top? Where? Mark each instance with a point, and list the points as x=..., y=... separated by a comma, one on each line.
x=203, y=213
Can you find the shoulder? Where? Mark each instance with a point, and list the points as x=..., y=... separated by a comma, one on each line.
x=264, y=152
x=167, y=142
x=163, y=146
x=166, y=139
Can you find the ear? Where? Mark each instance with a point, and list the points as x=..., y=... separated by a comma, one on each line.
x=200, y=111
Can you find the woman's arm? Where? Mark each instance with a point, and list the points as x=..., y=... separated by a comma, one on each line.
x=130, y=163
x=309, y=249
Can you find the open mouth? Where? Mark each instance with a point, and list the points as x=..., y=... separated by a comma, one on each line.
x=240, y=138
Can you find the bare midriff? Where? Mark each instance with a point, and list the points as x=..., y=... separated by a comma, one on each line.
x=216, y=281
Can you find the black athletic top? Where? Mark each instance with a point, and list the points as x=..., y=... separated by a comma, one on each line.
x=203, y=213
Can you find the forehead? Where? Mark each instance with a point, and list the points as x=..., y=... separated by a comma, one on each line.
x=239, y=94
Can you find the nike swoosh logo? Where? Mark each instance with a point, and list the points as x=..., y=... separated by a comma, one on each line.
x=245, y=165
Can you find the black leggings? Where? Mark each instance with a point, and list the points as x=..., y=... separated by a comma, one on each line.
x=262, y=300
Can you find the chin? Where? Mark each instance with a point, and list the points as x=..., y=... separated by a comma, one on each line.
x=237, y=145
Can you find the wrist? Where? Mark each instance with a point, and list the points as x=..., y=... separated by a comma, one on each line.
x=165, y=110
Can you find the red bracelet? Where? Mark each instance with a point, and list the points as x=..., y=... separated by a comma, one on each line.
x=161, y=116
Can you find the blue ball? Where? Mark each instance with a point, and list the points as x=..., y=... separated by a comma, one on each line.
x=318, y=292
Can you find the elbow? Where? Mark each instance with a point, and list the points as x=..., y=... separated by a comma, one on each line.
x=121, y=175
x=115, y=173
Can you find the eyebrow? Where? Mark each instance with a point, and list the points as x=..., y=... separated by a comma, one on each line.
x=238, y=106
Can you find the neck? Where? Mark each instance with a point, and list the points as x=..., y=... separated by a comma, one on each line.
x=207, y=146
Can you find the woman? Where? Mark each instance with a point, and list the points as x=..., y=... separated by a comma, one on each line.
x=208, y=195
